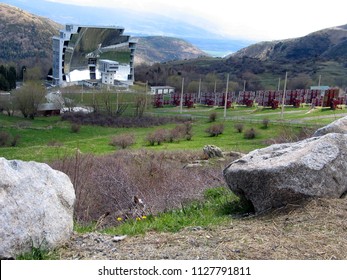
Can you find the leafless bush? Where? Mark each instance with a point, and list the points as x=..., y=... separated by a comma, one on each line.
x=215, y=130
x=106, y=186
x=175, y=134
x=4, y=138
x=15, y=140
x=239, y=127
x=265, y=123
x=250, y=133
x=75, y=128
x=212, y=117
x=188, y=130
x=159, y=136
x=123, y=141
x=119, y=121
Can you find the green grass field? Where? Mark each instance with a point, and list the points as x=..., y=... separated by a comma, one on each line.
x=48, y=138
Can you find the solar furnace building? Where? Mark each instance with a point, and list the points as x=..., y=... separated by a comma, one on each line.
x=93, y=54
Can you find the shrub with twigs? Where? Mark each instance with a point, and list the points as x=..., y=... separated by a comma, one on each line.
x=106, y=186
x=123, y=140
x=212, y=117
x=250, y=133
x=75, y=128
x=239, y=127
x=215, y=130
x=265, y=123
x=4, y=138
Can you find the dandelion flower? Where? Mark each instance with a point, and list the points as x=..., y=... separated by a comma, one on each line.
x=144, y=217
x=119, y=219
x=138, y=219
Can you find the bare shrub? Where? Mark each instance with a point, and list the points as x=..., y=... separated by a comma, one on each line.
x=189, y=130
x=215, y=130
x=159, y=136
x=265, y=123
x=150, y=138
x=250, y=133
x=123, y=141
x=75, y=128
x=80, y=169
x=4, y=138
x=15, y=140
x=182, y=131
x=119, y=121
x=174, y=134
x=106, y=186
x=212, y=117
x=239, y=127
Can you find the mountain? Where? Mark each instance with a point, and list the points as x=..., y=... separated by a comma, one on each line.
x=26, y=39
x=330, y=43
x=151, y=49
x=135, y=24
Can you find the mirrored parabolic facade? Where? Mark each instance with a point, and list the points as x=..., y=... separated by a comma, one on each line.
x=93, y=53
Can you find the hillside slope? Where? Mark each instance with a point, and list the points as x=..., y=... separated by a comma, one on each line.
x=327, y=43
x=25, y=39
x=152, y=49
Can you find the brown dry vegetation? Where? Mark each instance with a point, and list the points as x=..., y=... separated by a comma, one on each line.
x=106, y=185
x=316, y=229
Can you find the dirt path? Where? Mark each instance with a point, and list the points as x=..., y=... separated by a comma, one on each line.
x=315, y=230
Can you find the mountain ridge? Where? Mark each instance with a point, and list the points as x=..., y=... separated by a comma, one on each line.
x=157, y=49
x=26, y=39
x=326, y=43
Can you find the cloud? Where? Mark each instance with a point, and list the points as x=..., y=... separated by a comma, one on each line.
x=246, y=19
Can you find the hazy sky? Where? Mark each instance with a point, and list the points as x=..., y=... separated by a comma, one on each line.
x=244, y=19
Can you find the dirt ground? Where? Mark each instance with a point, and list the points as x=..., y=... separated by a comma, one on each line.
x=316, y=229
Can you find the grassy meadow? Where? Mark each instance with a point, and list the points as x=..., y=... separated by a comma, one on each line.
x=48, y=138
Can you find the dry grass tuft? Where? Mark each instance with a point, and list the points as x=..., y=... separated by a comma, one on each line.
x=316, y=229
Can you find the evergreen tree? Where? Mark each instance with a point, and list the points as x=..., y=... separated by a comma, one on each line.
x=8, y=77
x=4, y=85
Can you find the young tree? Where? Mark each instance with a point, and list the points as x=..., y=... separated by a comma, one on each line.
x=4, y=85
x=7, y=104
x=140, y=105
x=28, y=98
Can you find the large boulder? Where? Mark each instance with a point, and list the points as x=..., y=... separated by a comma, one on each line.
x=338, y=126
x=284, y=173
x=36, y=207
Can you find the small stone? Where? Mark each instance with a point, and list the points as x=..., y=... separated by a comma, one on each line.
x=119, y=238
